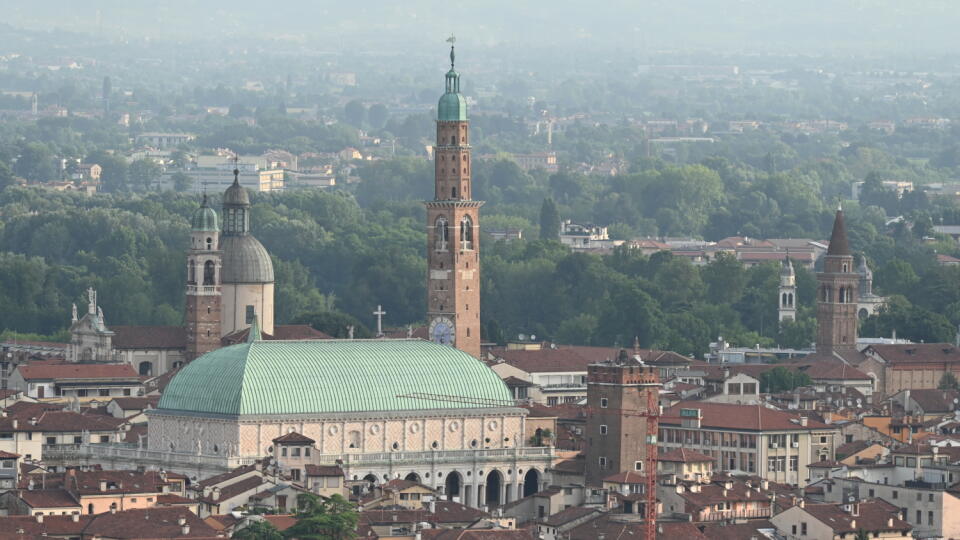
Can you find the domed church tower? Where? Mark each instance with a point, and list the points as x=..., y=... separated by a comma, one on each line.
x=247, y=277
x=788, y=292
x=203, y=283
x=453, y=221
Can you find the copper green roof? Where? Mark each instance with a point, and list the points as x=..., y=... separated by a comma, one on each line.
x=329, y=376
x=205, y=218
x=452, y=106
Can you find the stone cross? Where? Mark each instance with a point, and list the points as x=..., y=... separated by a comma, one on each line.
x=350, y=332
x=92, y=301
x=379, y=313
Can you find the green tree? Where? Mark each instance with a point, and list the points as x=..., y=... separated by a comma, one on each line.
x=258, y=530
x=324, y=519
x=781, y=379
x=549, y=220
x=334, y=323
x=181, y=181
x=725, y=279
x=143, y=173
x=377, y=115
x=35, y=163
x=355, y=113
x=948, y=382
x=6, y=177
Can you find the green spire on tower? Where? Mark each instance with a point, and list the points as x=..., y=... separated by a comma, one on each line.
x=452, y=106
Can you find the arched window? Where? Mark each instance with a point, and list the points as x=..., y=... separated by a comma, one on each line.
x=191, y=272
x=209, y=243
x=842, y=297
x=453, y=193
x=145, y=369
x=466, y=233
x=790, y=299
x=442, y=233
x=209, y=273
x=783, y=299
x=453, y=140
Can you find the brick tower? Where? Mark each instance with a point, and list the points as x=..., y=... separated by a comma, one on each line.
x=203, y=283
x=839, y=285
x=453, y=240
x=623, y=413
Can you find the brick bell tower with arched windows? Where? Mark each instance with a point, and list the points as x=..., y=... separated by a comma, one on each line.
x=453, y=239
x=203, y=283
x=838, y=288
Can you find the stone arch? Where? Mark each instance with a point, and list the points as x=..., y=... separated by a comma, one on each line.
x=493, y=487
x=790, y=299
x=413, y=477
x=442, y=233
x=453, y=485
x=145, y=368
x=209, y=273
x=370, y=479
x=466, y=233
x=531, y=482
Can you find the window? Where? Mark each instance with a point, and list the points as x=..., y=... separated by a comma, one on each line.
x=931, y=498
x=8, y=464
x=929, y=518
x=823, y=439
x=603, y=462
x=919, y=497
x=793, y=529
x=638, y=465
x=51, y=440
x=126, y=391
x=250, y=314
x=794, y=463
x=6, y=436
x=306, y=451
x=283, y=451
x=919, y=517
x=104, y=392
x=82, y=392
x=603, y=429
x=466, y=233
x=603, y=403
x=77, y=440
x=133, y=500
x=803, y=528
x=733, y=388
x=295, y=452
x=442, y=232
x=895, y=494
x=870, y=492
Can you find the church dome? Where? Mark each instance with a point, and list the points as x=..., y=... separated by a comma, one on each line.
x=452, y=108
x=236, y=195
x=331, y=376
x=245, y=260
x=205, y=218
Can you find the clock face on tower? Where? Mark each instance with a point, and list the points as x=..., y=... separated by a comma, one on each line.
x=441, y=330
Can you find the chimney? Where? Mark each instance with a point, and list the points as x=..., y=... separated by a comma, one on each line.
x=800, y=503
x=803, y=421
x=76, y=517
x=103, y=485
x=39, y=518
x=181, y=521
x=853, y=524
x=433, y=506
x=113, y=509
x=71, y=471
x=890, y=522
x=15, y=423
x=185, y=529
x=765, y=484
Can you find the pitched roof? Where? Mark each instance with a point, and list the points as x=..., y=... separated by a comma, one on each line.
x=569, y=514
x=917, y=353
x=232, y=490
x=682, y=455
x=736, y=531
x=613, y=529
x=223, y=477
x=323, y=470
x=401, y=484
x=874, y=515
x=570, y=466
x=476, y=534
x=739, y=417
x=149, y=523
x=149, y=337
x=718, y=492
x=136, y=403
x=294, y=438
x=838, y=238
x=65, y=526
x=933, y=400
x=281, y=522
x=48, y=498
x=624, y=477
x=47, y=371
x=834, y=369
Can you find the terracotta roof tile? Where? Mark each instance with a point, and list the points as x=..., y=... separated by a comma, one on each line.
x=47, y=371
x=917, y=353
x=323, y=470
x=149, y=337
x=476, y=534
x=874, y=515
x=624, y=477
x=158, y=522
x=294, y=438
x=682, y=455
x=739, y=417
x=48, y=498
x=567, y=515
x=732, y=531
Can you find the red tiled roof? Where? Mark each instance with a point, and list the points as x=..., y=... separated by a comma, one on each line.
x=323, y=470
x=569, y=514
x=149, y=523
x=624, y=477
x=63, y=526
x=77, y=371
x=917, y=353
x=570, y=466
x=149, y=337
x=223, y=477
x=172, y=499
x=476, y=534
x=574, y=358
x=237, y=488
x=834, y=369
x=298, y=331
x=294, y=438
x=682, y=455
x=736, y=531
x=874, y=515
x=401, y=484
x=137, y=403
x=739, y=417
x=281, y=522
x=935, y=401
x=48, y=498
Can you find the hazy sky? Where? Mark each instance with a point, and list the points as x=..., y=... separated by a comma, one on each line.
x=739, y=26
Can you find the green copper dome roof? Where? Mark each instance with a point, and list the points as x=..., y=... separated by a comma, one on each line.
x=452, y=107
x=205, y=218
x=329, y=376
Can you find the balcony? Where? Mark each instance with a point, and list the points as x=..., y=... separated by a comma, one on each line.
x=203, y=290
x=752, y=513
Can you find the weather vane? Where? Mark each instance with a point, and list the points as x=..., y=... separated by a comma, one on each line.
x=451, y=40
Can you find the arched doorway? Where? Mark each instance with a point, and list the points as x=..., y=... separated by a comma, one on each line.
x=531, y=482
x=145, y=369
x=413, y=477
x=494, y=483
x=371, y=480
x=452, y=485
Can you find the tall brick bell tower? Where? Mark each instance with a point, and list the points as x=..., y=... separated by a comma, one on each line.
x=203, y=283
x=453, y=239
x=839, y=286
